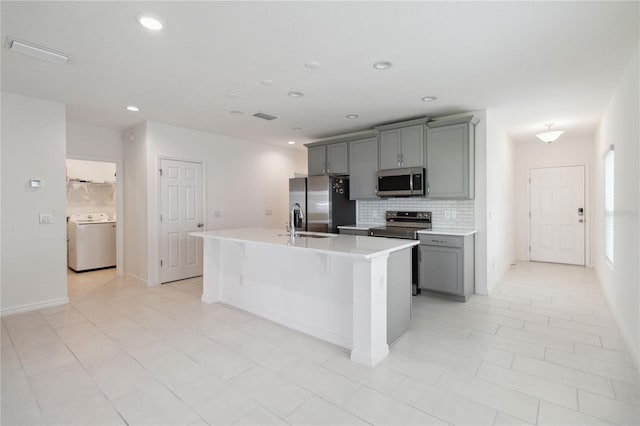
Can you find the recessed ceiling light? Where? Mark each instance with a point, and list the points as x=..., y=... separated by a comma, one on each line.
x=151, y=22
x=39, y=52
x=382, y=65
x=312, y=65
x=296, y=94
x=296, y=129
x=429, y=99
x=291, y=142
x=236, y=112
x=352, y=116
x=233, y=95
x=267, y=82
x=133, y=108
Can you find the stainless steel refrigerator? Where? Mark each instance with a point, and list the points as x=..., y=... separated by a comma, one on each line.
x=325, y=203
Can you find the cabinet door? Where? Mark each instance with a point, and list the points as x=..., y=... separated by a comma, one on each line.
x=390, y=149
x=316, y=160
x=441, y=269
x=363, y=165
x=412, y=146
x=448, y=167
x=337, y=154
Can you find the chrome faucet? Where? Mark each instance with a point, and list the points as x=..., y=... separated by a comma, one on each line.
x=292, y=223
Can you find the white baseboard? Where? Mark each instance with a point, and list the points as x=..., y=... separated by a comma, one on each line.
x=33, y=306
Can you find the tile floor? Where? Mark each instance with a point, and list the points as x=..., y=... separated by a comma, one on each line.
x=543, y=349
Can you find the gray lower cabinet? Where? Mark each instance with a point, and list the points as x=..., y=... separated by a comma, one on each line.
x=447, y=264
x=450, y=158
x=363, y=166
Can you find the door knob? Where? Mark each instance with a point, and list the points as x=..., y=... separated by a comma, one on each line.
x=580, y=220
x=200, y=225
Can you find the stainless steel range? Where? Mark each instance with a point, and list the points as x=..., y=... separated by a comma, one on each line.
x=402, y=224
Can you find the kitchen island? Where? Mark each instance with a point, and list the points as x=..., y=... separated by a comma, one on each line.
x=353, y=291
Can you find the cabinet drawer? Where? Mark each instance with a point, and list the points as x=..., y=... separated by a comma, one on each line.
x=441, y=240
x=363, y=232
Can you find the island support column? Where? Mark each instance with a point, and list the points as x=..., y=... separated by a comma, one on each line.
x=211, y=270
x=370, y=311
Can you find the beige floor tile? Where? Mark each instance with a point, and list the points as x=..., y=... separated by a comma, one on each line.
x=56, y=387
x=614, y=344
x=26, y=414
x=16, y=389
x=519, y=314
x=268, y=355
x=379, y=409
x=271, y=391
x=507, y=344
x=554, y=415
x=261, y=416
x=444, y=405
x=120, y=328
x=537, y=336
x=503, y=419
x=419, y=369
x=317, y=411
x=263, y=329
x=20, y=323
x=216, y=401
x=222, y=361
x=309, y=347
x=118, y=375
x=478, y=351
x=564, y=374
x=436, y=355
x=144, y=345
x=529, y=384
x=608, y=409
x=227, y=335
x=503, y=399
x=626, y=392
x=381, y=378
x=90, y=409
x=320, y=381
x=596, y=366
x=174, y=369
x=154, y=405
x=597, y=352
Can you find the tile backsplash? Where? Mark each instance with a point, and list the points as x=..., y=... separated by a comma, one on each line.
x=447, y=214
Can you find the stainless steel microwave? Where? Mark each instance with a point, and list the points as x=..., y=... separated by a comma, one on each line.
x=401, y=182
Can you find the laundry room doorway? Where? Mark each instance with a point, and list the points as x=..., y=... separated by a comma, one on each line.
x=94, y=213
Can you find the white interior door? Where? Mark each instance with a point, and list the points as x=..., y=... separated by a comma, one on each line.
x=181, y=213
x=557, y=214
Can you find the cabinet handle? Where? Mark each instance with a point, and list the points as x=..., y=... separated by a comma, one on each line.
x=439, y=241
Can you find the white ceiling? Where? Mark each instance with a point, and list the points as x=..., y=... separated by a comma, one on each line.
x=530, y=62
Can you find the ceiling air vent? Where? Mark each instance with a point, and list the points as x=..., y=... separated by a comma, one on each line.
x=265, y=116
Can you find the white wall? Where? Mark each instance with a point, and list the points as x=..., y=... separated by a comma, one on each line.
x=535, y=154
x=499, y=209
x=621, y=281
x=33, y=255
x=480, y=202
x=243, y=179
x=135, y=202
x=86, y=141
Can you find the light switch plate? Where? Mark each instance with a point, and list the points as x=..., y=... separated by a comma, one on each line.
x=35, y=183
x=46, y=218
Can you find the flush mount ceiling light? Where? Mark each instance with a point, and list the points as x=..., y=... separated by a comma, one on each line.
x=429, y=99
x=267, y=82
x=151, y=22
x=39, y=52
x=382, y=65
x=236, y=112
x=352, y=116
x=291, y=142
x=312, y=65
x=133, y=108
x=296, y=94
x=233, y=95
x=549, y=136
x=296, y=129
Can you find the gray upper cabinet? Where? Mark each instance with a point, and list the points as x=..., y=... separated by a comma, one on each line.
x=402, y=147
x=450, y=158
x=363, y=166
x=402, y=144
x=328, y=159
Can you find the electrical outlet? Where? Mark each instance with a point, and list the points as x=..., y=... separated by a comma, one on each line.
x=269, y=212
x=217, y=213
x=46, y=218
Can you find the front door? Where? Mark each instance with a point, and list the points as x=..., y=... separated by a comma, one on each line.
x=181, y=213
x=557, y=214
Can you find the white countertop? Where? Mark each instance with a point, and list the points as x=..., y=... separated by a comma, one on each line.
x=448, y=231
x=335, y=244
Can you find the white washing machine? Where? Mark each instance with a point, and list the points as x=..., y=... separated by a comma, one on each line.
x=91, y=239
